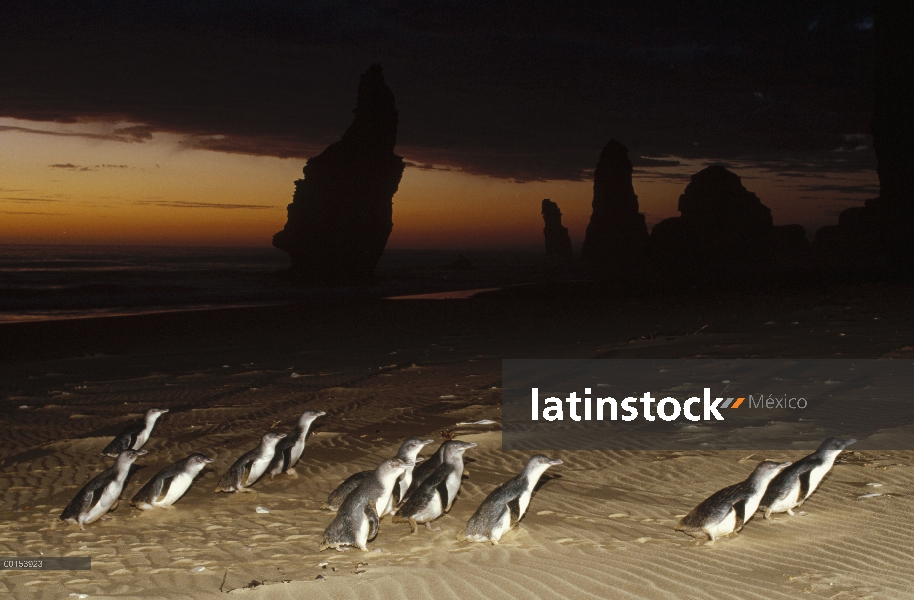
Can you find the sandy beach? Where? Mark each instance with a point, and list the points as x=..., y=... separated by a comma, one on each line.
x=600, y=525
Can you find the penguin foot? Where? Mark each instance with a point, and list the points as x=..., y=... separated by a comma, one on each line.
x=428, y=525
x=342, y=548
x=245, y=490
x=768, y=514
x=292, y=473
x=790, y=511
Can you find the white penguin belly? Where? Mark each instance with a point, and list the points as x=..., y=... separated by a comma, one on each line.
x=385, y=505
x=523, y=502
x=724, y=527
x=453, y=486
x=431, y=511
x=790, y=500
x=295, y=452
x=110, y=494
x=178, y=486
x=361, y=535
x=502, y=526
x=257, y=469
x=141, y=438
x=818, y=474
x=752, y=503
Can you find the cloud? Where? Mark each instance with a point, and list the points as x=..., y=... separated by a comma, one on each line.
x=23, y=212
x=642, y=161
x=837, y=188
x=188, y=204
x=21, y=200
x=115, y=136
x=495, y=88
x=72, y=167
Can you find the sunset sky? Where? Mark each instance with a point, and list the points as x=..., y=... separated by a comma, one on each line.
x=173, y=124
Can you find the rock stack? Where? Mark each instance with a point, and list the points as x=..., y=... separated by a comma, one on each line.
x=341, y=213
x=558, y=242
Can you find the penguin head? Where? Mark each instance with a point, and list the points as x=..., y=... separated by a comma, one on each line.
x=155, y=413
x=834, y=445
x=538, y=461
x=411, y=448
x=199, y=460
x=127, y=457
x=393, y=467
x=272, y=438
x=454, y=448
x=309, y=416
x=768, y=470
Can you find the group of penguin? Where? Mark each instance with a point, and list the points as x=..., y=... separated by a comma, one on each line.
x=420, y=494
x=415, y=495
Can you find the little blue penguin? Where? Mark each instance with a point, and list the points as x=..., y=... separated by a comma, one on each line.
x=726, y=511
x=250, y=466
x=421, y=472
x=409, y=452
x=506, y=505
x=134, y=435
x=356, y=523
x=795, y=484
x=170, y=483
x=102, y=493
x=289, y=450
x=434, y=496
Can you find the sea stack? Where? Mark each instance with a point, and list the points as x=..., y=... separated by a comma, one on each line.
x=723, y=228
x=558, y=242
x=881, y=233
x=616, y=238
x=342, y=211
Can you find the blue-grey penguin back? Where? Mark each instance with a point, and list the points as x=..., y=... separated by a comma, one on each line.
x=339, y=495
x=158, y=487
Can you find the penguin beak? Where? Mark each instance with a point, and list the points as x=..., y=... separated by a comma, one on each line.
x=849, y=442
x=321, y=413
x=163, y=410
x=555, y=461
x=786, y=464
x=427, y=442
x=208, y=460
x=280, y=435
x=142, y=452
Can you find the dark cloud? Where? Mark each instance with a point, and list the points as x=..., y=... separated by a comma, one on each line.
x=72, y=167
x=21, y=200
x=526, y=91
x=871, y=190
x=188, y=204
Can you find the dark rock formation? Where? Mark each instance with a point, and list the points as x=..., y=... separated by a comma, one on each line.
x=341, y=213
x=558, y=242
x=616, y=238
x=723, y=227
x=461, y=264
x=881, y=233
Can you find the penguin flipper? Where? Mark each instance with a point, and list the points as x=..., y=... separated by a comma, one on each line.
x=395, y=496
x=373, y=520
x=164, y=485
x=805, y=485
x=441, y=488
x=514, y=508
x=740, y=509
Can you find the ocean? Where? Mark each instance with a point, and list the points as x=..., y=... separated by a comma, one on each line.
x=56, y=282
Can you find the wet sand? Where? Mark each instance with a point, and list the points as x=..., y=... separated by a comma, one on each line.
x=600, y=525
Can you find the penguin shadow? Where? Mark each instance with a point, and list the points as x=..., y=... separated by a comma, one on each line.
x=544, y=479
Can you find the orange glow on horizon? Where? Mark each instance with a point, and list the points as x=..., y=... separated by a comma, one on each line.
x=79, y=184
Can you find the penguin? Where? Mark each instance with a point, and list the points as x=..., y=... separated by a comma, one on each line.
x=356, y=522
x=428, y=467
x=794, y=485
x=170, y=483
x=506, y=505
x=409, y=452
x=102, y=493
x=726, y=511
x=289, y=450
x=250, y=466
x=134, y=435
x=434, y=496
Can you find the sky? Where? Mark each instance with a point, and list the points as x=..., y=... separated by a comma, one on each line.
x=175, y=123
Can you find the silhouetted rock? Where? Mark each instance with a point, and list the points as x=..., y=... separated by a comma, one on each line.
x=558, y=242
x=723, y=227
x=616, y=238
x=341, y=214
x=881, y=233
